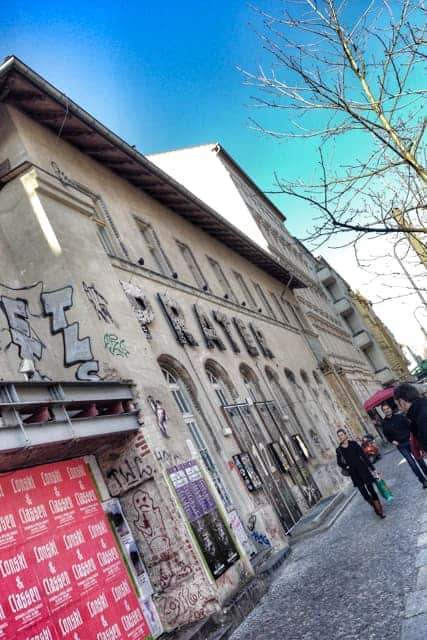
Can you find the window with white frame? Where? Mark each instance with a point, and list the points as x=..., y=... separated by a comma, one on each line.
x=192, y=265
x=219, y=387
x=186, y=410
x=222, y=280
x=152, y=242
x=247, y=294
x=105, y=237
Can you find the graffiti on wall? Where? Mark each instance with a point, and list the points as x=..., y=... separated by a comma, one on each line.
x=126, y=472
x=115, y=345
x=98, y=302
x=29, y=305
x=76, y=350
x=183, y=594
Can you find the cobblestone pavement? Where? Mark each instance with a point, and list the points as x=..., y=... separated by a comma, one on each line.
x=353, y=581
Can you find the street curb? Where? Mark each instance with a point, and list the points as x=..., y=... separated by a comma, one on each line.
x=327, y=524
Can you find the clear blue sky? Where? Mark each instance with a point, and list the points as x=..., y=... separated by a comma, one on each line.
x=161, y=75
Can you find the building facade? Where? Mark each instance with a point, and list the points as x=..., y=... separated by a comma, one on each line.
x=211, y=173
x=128, y=302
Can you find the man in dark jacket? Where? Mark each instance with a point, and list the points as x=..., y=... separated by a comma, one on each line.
x=396, y=429
x=415, y=408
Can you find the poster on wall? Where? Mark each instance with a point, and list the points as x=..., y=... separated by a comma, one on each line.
x=119, y=524
x=62, y=576
x=199, y=506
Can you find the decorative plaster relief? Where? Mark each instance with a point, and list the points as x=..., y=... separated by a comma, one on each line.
x=176, y=318
x=141, y=305
x=262, y=342
x=225, y=323
x=246, y=337
x=209, y=332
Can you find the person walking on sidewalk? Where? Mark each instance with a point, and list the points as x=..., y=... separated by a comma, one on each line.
x=409, y=401
x=396, y=429
x=351, y=458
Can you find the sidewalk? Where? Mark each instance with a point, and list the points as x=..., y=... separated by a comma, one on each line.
x=414, y=626
x=356, y=580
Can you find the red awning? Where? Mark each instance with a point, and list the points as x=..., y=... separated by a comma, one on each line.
x=378, y=398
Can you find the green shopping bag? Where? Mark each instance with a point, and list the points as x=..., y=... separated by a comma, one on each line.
x=384, y=490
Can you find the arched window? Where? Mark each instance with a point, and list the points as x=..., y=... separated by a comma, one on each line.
x=251, y=382
x=185, y=406
x=221, y=383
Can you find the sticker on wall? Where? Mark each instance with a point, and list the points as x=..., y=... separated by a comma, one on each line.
x=99, y=303
x=161, y=415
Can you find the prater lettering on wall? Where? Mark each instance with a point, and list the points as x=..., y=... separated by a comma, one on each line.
x=176, y=319
x=262, y=342
x=141, y=305
x=210, y=334
x=99, y=303
x=246, y=337
x=224, y=321
x=115, y=345
x=30, y=347
x=76, y=350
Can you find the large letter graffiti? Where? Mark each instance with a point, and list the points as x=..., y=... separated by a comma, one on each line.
x=76, y=350
x=209, y=332
x=33, y=303
x=176, y=318
x=22, y=334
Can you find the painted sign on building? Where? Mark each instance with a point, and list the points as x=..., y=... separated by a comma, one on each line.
x=62, y=575
x=209, y=529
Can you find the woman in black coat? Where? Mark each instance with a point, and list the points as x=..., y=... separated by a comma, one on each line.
x=350, y=457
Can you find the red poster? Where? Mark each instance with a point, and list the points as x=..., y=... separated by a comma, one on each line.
x=22, y=600
x=61, y=573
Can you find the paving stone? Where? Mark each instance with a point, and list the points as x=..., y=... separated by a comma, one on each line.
x=423, y=527
x=421, y=558
x=422, y=540
x=414, y=628
x=424, y=517
x=416, y=603
x=350, y=582
x=422, y=577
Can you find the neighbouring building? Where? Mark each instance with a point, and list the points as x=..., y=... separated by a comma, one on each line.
x=369, y=333
x=214, y=176
x=156, y=365
x=391, y=349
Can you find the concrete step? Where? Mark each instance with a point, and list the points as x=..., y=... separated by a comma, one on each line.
x=321, y=516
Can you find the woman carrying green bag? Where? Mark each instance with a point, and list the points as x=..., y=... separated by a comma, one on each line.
x=383, y=487
x=353, y=462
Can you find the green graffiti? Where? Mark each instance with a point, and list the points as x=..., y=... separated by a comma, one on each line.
x=115, y=346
